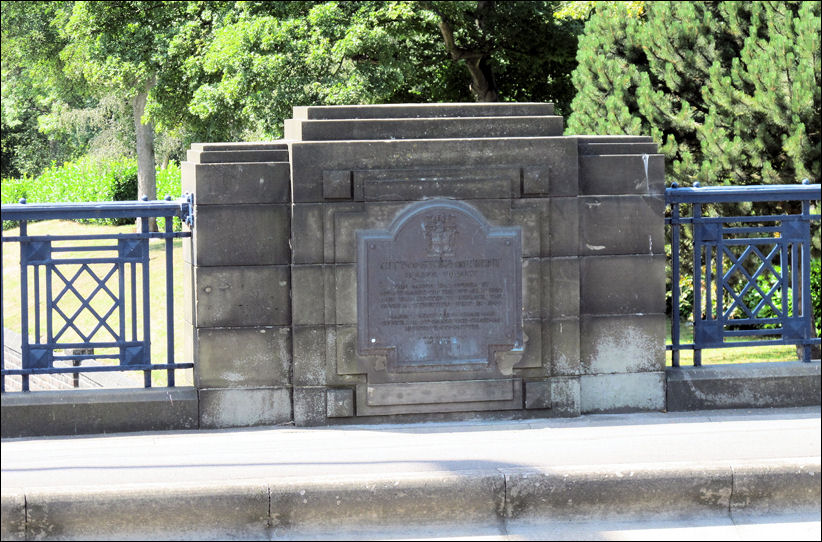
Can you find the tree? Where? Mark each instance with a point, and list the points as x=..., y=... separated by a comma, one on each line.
x=121, y=47
x=732, y=89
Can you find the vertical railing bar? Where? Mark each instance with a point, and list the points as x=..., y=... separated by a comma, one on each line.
x=146, y=308
x=169, y=301
x=36, y=303
x=121, y=300
x=24, y=305
x=709, y=298
x=697, y=215
x=720, y=282
x=675, y=284
x=807, y=310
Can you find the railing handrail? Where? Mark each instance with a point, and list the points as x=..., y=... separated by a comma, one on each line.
x=101, y=209
x=735, y=194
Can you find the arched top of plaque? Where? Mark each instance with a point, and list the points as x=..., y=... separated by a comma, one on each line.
x=440, y=290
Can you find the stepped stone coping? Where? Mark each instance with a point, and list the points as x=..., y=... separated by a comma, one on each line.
x=482, y=109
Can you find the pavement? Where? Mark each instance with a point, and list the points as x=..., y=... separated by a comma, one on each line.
x=748, y=474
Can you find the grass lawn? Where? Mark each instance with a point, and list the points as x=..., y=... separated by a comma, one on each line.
x=745, y=354
x=101, y=302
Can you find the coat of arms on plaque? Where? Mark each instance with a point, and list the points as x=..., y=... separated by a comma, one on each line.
x=440, y=231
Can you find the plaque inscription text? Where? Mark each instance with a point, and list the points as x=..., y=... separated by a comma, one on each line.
x=440, y=289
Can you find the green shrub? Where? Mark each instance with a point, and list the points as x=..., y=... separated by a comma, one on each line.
x=88, y=179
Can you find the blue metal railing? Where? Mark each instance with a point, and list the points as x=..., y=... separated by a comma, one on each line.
x=51, y=271
x=751, y=274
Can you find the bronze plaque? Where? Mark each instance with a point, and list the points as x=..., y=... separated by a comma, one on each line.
x=440, y=289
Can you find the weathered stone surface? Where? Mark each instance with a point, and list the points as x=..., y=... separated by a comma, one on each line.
x=622, y=392
x=391, y=111
x=77, y=412
x=262, y=183
x=391, y=499
x=613, y=174
x=564, y=346
x=310, y=405
x=748, y=385
x=778, y=486
x=177, y=512
x=562, y=237
x=307, y=294
x=582, y=492
x=565, y=396
x=339, y=402
x=421, y=128
x=243, y=357
x=243, y=407
x=561, y=287
x=622, y=285
x=242, y=296
x=537, y=394
x=622, y=344
x=239, y=155
x=309, y=355
x=310, y=159
x=621, y=225
x=13, y=508
x=307, y=233
x=221, y=236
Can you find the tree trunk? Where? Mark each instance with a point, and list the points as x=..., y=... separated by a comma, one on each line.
x=146, y=173
x=483, y=86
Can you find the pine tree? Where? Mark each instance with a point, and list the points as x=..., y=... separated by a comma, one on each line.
x=730, y=89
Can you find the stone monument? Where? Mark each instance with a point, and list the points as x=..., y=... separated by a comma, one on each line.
x=415, y=262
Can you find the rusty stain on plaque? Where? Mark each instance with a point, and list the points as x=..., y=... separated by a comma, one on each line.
x=441, y=289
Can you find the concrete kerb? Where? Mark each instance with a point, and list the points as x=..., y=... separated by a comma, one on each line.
x=261, y=508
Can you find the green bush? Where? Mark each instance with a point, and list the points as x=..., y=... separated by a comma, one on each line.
x=88, y=179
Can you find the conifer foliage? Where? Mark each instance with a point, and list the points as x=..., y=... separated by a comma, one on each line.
x=730, y=89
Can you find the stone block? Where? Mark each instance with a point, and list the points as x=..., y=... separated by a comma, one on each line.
x=776, y=486
x=310, y=405
x=244, y=407
x=214, y=184
x=537, y=394
x=745, y=385
x=222, y=237
x=622, y=285
x=536, y=181
x=307, y=294
x=243, y=357
x=532, y=281
x=345, y=280
x=565, y=396
x=422, y=128
x=338, y=184
x=431, y=110
x=309, y=356
x=460, y=182
x=345, y=345
x=238, y=155
x=530, y=218
x=339, y=402
x=562, y=337
x=430, y=498
x=617, y=491
x=78, y=412
x=307, y=233
x=614, y=174
x=13, y=508
x=626, y=392
x=533, y=357
x=621, y=225
x=622, y=344
x=309, y=160
x=188, y=511
x=562, y=232
x=561, y=287
x=242, y=296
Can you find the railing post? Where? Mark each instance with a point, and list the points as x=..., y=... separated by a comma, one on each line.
x=675, y=316
x=696, y=213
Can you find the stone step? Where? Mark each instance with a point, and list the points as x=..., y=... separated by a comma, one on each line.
x=422, y=128
x=212, y=156
x=399, y=111
x=241, y=146
x=618, y=148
